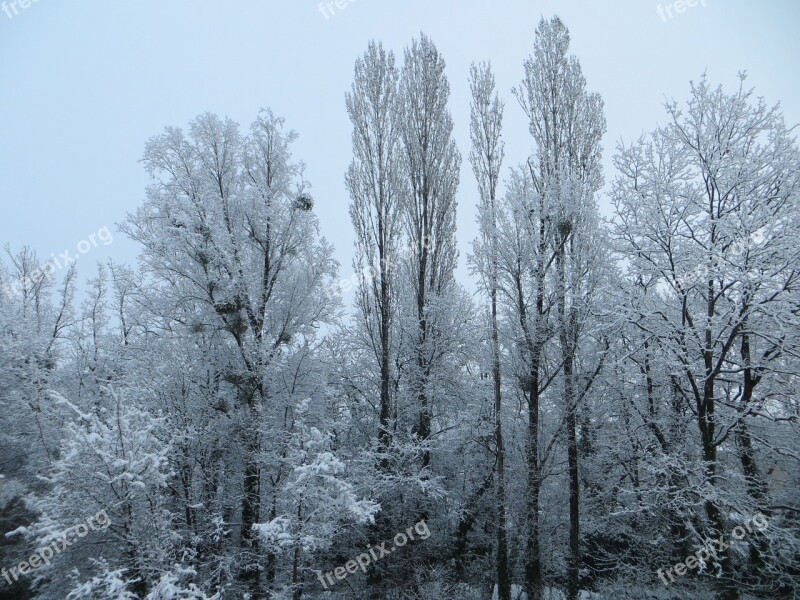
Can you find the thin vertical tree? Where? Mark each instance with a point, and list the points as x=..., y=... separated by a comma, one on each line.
x=486, y=156
x=376, y=185
x=433, y=164
x=567, y=125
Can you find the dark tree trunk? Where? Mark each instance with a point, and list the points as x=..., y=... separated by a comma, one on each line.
x=533, y=564
x=567, y=333
x=251, y=512
x=503, y=572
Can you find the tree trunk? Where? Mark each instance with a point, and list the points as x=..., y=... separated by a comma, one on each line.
x=424, y=425
x=533, y=564
x=251, y=511
x=503, y=574
x=566, y=335
x=384, y=428
x=726, y=588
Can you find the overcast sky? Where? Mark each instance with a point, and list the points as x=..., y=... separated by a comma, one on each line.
x=85, y=82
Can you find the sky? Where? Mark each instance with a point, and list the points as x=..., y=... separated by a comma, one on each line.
x=85, y=83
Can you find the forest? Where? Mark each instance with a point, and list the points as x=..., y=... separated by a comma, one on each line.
x=610, y=412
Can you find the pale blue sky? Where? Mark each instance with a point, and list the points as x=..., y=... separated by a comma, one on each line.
x=85, y=82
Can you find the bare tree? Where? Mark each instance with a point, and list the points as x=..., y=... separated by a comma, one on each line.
x=486, y=156
x=377, y=188
x=433, y=163
x=567, y=125
x=228, y=224
x=706, y=207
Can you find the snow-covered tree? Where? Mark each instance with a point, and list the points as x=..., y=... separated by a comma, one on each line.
x=567, y=124
x=706, y=216
x=486, y=156
x=228, y=228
